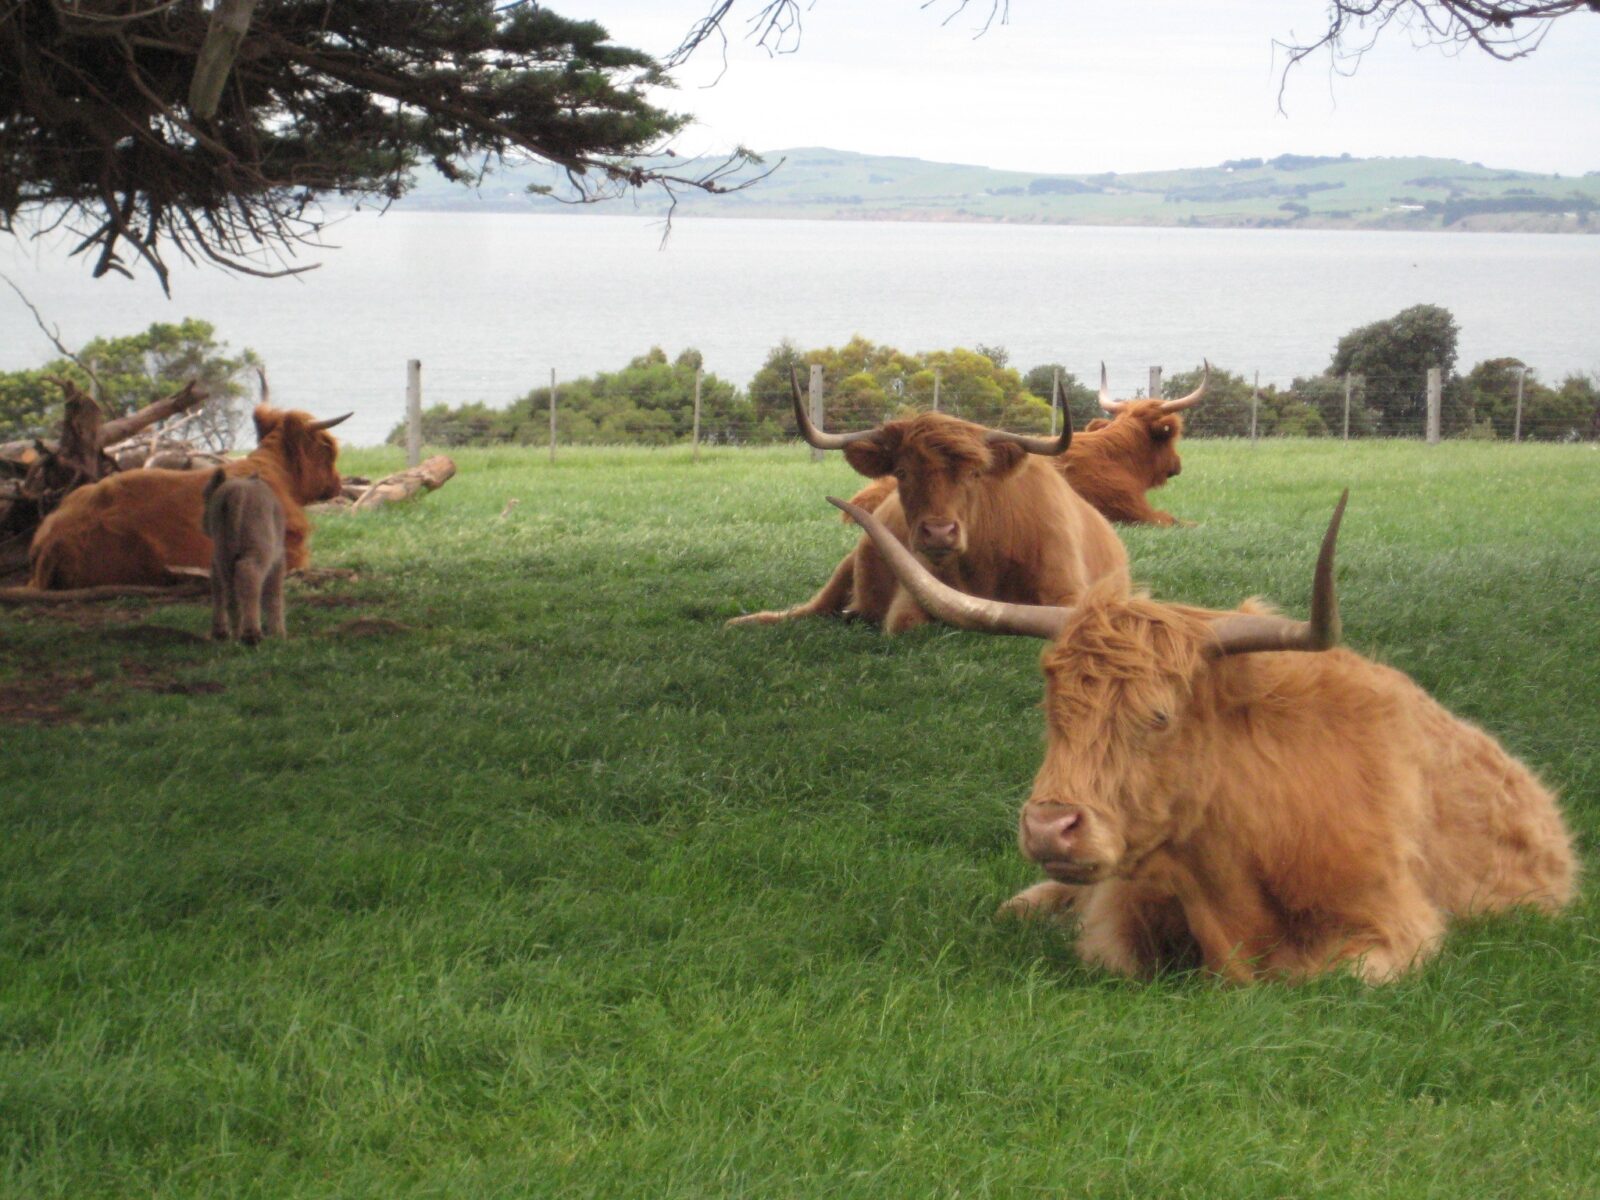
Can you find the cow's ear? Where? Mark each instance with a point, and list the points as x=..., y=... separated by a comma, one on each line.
x=1004, y=458
x=266, y=419
x=871, y=457
x=1097, y=423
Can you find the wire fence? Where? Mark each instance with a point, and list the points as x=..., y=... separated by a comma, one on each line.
x=686, y=407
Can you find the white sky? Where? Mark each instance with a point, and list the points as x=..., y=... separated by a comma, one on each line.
x=1115, y=85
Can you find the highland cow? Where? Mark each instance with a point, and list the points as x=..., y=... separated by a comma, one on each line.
x=1229, y=790
x=985, y=509
x=1110, y=463
x=132, y=526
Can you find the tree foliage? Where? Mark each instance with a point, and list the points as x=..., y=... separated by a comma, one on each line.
x=649, y=402
x=1325, y=394
x=100, y=131
x=1225, y=411
x=864, y=384
x=137, y=370
x=1569, y=412
x=1394, y=355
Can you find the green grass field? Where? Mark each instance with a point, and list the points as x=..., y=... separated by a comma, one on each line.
x=554, y=887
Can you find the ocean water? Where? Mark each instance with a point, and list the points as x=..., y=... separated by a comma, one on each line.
x=492, y=303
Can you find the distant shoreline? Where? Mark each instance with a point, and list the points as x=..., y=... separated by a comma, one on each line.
x=1539, y=223
x=1416, y=194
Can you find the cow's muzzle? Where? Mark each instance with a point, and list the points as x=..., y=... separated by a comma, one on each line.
x=1055, y=837
x=938, y=536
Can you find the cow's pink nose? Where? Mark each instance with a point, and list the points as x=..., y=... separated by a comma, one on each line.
x=938, y=533
x=1050, y=831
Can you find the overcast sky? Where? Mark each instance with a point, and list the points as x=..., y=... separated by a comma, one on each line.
x=1115, y=85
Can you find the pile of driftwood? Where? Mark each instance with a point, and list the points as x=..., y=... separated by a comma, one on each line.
x=36, y=475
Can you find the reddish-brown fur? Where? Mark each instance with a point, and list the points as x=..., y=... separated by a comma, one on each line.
x=988, y=518
x=1267, y=814
x=132, y=526
x=1111, y=464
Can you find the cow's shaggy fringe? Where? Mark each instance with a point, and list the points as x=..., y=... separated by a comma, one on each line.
x=1111, y=464
x=1272, y=814
x=1024, y=535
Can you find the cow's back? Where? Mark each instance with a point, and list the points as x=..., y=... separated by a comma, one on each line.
x=1039, y=521
x=1384, y=780
x=126, y=529
x=130, y=527
x=1495, y=836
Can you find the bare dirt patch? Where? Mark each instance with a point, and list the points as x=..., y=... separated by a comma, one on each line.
x=154, y=635
x=41, y=699
x=369, y=627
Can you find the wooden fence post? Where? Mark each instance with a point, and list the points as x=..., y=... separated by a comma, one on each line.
x=936, y=389
x=1347, y=406
x=552, y=414
x=1435, y=403
x=697, y=414
x=1055, y=405
x=1155, y=383
x=1522, y=373
x=816, y=405
x=1255, y=403
x=413, y=412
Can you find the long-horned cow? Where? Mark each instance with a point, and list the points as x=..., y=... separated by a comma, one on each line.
x=1229, y=790
x=1110, y=463
x=983, y=508
x=132, y=526
x=1113, y=465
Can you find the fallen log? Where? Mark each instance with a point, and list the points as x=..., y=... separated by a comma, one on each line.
x=190, y=395
x=429, y=476
x=108, y=591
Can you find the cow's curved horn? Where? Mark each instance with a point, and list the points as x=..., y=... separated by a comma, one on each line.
x=1194, y=397
x=822, y=441
x=1245, y=633
x=331, y=421
x=1106, y=402
x=943, y=601
x=1036, y=445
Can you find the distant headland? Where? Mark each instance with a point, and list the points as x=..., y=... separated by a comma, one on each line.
x=1287, y=192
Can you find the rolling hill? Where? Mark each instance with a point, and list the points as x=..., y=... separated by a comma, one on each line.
x=1289, y=191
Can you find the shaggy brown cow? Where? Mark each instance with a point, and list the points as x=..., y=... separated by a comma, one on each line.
x=985, y=509
x=245, y=523
x=132, y=526
x=1111, y=464
x=1208, y=799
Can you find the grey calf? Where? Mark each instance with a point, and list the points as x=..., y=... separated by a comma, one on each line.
x=245, y=522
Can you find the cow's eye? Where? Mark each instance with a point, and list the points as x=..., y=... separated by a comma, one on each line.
x=900, y=473
x=1159, y=719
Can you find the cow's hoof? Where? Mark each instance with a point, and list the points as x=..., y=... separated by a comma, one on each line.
x=757, y=618
x=220, y=635
x=251, y=637
x=1041, y=901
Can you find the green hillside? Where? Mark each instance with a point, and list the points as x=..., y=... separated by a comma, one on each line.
x=1289, y=191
